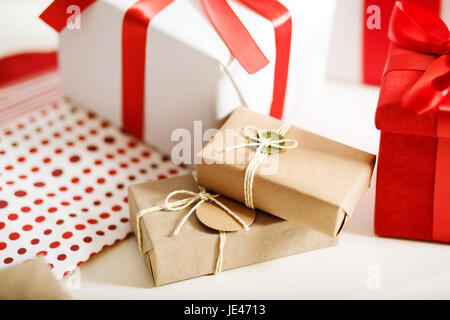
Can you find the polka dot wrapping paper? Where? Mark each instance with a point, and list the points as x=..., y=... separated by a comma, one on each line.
x=64, y=175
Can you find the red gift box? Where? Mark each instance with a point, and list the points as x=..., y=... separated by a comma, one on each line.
x=412, y=200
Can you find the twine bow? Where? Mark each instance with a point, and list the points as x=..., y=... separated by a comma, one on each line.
x=178, y=205
x=262, y=140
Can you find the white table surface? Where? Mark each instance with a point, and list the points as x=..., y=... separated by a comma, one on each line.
x=361, y=266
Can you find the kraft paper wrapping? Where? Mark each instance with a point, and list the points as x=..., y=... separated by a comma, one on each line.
x=317, y=184
x=31, y=280
x=193, y=252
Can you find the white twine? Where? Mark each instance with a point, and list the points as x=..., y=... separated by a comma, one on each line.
x=260, y=143
x=178, y=205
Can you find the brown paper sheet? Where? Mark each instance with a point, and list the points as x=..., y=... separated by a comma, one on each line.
x=317, y=184
x=193, y=252
x=31, y=280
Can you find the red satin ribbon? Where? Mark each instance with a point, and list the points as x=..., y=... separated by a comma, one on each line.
x=420, y=30
x=229, y=27
x=56, y=14
x=375, y=43
x=134, y=41
x=233, y=33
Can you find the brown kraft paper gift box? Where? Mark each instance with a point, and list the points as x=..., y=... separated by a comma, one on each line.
x=317, y=184
x=193, y=252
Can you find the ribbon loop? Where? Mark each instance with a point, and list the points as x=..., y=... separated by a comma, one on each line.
x=265, y=145
x=178, y=205
x=420, y=30
x=417, y=29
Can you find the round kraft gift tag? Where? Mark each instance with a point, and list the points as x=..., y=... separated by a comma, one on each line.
x=213, y=216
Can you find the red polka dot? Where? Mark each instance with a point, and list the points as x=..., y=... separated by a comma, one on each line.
x=47, y=232
x=21, y=251
x=52, y=209
x=74, y=247
x=77, y=198
x=21, y=159
x=112, y=172
x=34, y=241
x=47, y=160
x=87, y=239
x=63, y=189
x=75, y=180
x=13, y=216
x=8, y=260
x=92, y=221
x=80, y=226
x=100, y=233
x=3, y=204
x=116, y=208
x=61, y=257
x=60, y=221
x=124, y=220
x=27, y=227
x=162, y=176
x=104, y=215
x=20, y=193
x=2, y=225
x=54, y=244
x=39, y=219
x=173, y=171
x=101, y=180
x=67, y=235
x=9, y=167
x=112, y=227
x=41, y=253
x=3, y=245
x=87, y=171
x=39, y=184
x=25, y=209
x=89, y=190
x=14, y=236
x=57, y=172
x=35, y=169
x=98, y=162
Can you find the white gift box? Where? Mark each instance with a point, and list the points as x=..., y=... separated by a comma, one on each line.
x=190, y=74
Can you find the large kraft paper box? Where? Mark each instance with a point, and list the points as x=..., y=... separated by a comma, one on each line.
x=189, y=72
x=193, y=252
x=317, y=184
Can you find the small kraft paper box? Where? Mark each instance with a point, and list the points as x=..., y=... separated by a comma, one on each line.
x=154, y=66
x=312, y=180
x=195, y=250
x=413, y=179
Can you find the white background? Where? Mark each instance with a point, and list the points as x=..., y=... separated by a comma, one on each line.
x=361, y=266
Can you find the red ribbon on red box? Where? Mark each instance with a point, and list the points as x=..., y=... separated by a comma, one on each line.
x=375, y=43
x=234, y=34
x=422, y=31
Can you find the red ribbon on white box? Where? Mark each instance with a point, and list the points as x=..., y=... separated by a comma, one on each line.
x=234, y=34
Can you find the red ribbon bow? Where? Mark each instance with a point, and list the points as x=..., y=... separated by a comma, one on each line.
x=417, y=29
x=234, y=34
